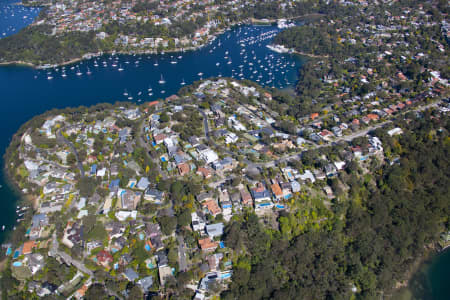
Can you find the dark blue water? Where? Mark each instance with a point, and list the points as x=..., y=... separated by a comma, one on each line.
x=438, y=276
x=13, y=17
x=26, y=92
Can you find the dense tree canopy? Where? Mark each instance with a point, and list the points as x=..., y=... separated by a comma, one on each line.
x=372, y=243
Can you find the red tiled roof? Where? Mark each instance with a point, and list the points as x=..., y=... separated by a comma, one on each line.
x=28, y=247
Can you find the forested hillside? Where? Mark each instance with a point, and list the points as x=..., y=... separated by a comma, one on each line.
x=372, y=239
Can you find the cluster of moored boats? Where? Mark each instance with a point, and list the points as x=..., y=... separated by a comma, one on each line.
x=241, y=54
x=17, y=15
x=20, y=211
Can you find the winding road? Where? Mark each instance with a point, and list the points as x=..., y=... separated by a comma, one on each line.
x=66, y=257
x=74, y=150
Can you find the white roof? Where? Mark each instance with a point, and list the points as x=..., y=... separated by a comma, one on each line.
x=123, y=215
x=30, y=165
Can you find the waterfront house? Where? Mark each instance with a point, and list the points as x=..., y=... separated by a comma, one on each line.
x=28, y=247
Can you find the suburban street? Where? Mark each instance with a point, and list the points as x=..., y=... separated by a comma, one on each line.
x=145, y=145
x=74, y=150
x=181, y=253
x=67, y=258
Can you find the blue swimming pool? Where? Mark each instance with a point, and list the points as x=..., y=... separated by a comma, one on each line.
x=17, y=264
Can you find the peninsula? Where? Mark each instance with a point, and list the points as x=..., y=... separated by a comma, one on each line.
x=196, y=195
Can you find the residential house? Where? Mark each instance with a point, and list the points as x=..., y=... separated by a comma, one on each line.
x=28, y=247
x=208, y=245
x=35, y=262
x=104, y=258
x=154, y=195
x=183, y=169
x=395, y=131
x=206, y=173
x=73, y=234
x=340, y=165
x=236, y=201
x=162, y=258
x=209, y=156
x=125, y=259
x=214, y=261
x=165, y=273
x=225, y=204
x=152, y=229
x=224, y=164
x=37, y=223
x=204, y=197
x=261, y=197
x=198, y=224
x=295, y=186
x=212, y=207
x=319, y=175
x=49, y=188
x=114, y=185
x=329, y=192
x=276, y=191
x=246, y=197
x=214, y=230
x=145, y=284
x=143, y=183
x=130, y=275
x=330, y=170
x=129, y=199
x=286, y=189
x=115, y=229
